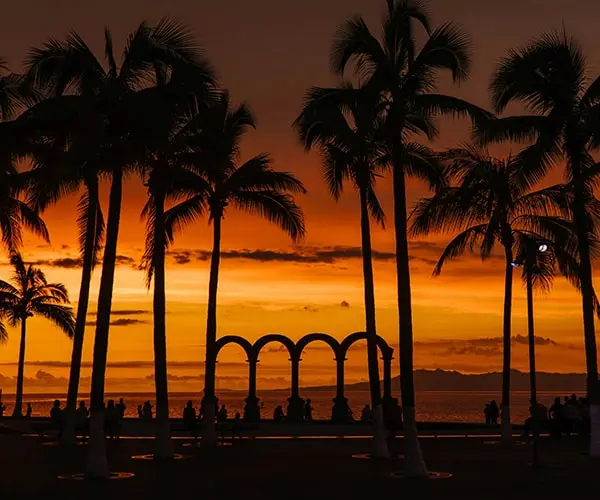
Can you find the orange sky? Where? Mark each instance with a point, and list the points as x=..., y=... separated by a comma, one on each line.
x=268, y=52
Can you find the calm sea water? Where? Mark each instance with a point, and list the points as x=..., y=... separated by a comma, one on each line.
x=433, y=406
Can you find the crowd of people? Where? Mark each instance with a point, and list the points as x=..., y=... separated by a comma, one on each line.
x=572, y=416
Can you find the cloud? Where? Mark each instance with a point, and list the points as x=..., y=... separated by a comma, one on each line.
x=120, y=322
x=76, y=262
x=486, y=346
x=344, y=304
x=123, y=312
x=305, y=255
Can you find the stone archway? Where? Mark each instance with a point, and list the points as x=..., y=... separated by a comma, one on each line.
x=252, y=407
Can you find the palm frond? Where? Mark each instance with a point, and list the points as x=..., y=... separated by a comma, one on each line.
x=466, y=240
x=61, y=316
x=278, y=208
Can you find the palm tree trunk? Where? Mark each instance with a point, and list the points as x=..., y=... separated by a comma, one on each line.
x=209, y=435
x=380, y=448
x=97, y=465
x=68, y=434
x=18, y=409
x=415, y=465
x=164, y=447
x=506, y=352
x=589, y=331
x=532, y=378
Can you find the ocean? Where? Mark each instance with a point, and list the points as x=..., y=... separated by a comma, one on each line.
x=432, y=406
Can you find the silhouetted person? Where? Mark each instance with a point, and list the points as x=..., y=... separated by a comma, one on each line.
x=121, y=409
x=56, y=417
x=366, y=415
x=538, y=416
x=82, y=420
x=222, y=414
x=308, y=410
x=278, y=414
x=147, y=411
x=111, y=420
x=236, y=426
x=557, y=417
x=189, y=418
x=572, y=414
x=140, y=411
x=494, y=412
x=29, y=411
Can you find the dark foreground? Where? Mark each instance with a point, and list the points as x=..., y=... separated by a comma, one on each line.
x=304, y=469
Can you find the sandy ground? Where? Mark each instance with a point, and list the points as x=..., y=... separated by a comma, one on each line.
x=301, y=469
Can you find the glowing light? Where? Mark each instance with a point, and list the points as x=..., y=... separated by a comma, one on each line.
x=515, y=264
x=543, y=247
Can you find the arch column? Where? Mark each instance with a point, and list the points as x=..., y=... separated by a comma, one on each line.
x=252, y=407
x=295, y=409
x=340, y=411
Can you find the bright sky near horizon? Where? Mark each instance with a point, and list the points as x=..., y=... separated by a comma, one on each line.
x=268, y=52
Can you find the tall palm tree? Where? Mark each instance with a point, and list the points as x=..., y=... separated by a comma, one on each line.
x=252, y=186
x=113, y=99
x=167, y=178
x=28, y=295
x=58, y=172
x=14, y=213
x=345, y=125
x=491, y=205
x=405, y=75
x=550, y=77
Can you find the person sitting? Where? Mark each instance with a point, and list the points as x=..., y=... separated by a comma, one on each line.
x=82, y=420
x=222, y=414
x=189, y=418
x=278, y=414
x=308, y=410
x=366, y=415
x=56, y=416
x=494, y=413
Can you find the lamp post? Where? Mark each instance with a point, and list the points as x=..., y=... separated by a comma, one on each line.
x=529, y=259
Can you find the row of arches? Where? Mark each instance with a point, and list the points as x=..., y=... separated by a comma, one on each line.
x=295, y=349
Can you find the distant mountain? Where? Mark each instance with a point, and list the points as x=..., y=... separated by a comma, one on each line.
x=443, y=380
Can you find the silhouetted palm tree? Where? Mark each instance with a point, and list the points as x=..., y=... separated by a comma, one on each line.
x=167, y=177
x=253, y=187
x=14, y=213
x=28, y=295
x=549, y=76
x=405, y=75
x=345, y=125
x=113, y=100
x=58, y=172
x=490, y=206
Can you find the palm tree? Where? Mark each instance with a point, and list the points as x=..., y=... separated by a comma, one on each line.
x=14, y=213
x=166, y=178
x=252, y=186
x=549, y=76
x=112, y=99
x=58, y=172
x=28, y=295
x=405, y=77
x=345, y=125
x=490, y=206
